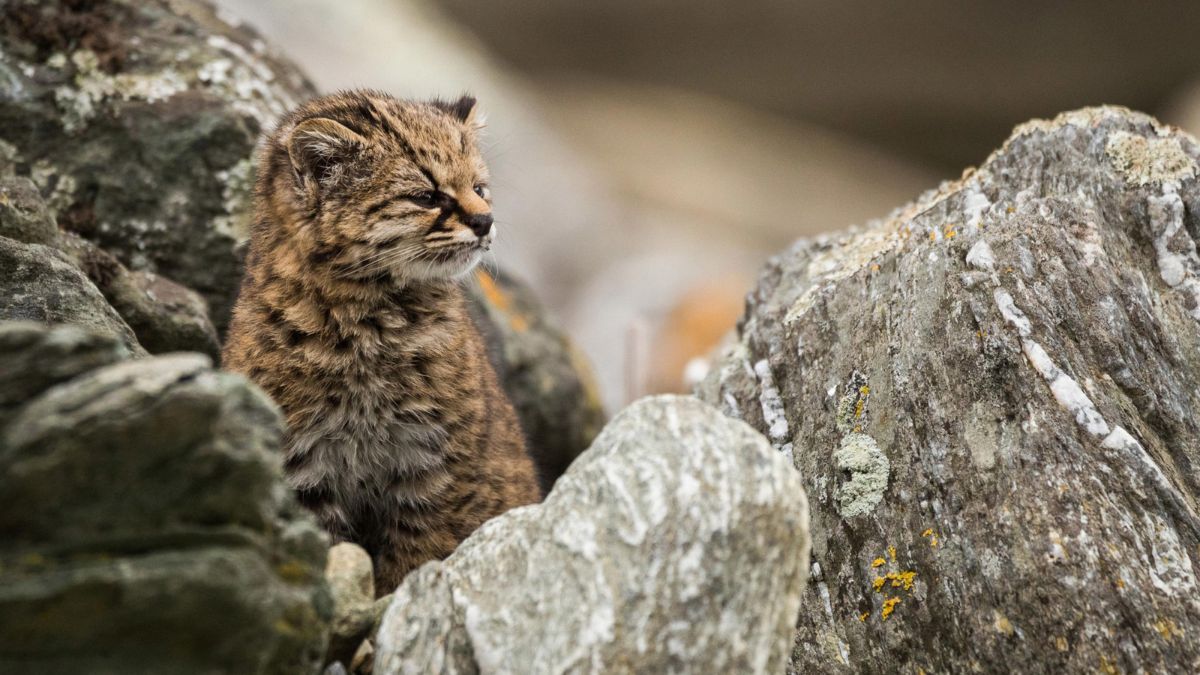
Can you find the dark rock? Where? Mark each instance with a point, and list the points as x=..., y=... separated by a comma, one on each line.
x=992, y=396
x=144, y=523
x=23, y=213
x=137, y=121
x=41, y=284
x=547, y=378
x=676, y=543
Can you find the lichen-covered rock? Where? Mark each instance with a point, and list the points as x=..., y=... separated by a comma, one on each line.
x=144, y=523
x=546, y=377
x=137, y=121
x=993, y=399
x=163, y=315
x=42, y=284
x=676, y=543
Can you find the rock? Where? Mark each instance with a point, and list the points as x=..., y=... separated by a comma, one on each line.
x=137, y=121
x=41, y=284
x=677, y=543
x=992, y=396
x=23, y=213
x=34, y=359
x=549, y=382
x=164, y=316
x=144, y=523
x=352, y=585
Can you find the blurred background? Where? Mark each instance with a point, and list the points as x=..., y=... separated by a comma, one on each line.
x=648, y=155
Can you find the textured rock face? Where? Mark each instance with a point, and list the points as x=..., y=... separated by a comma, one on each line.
x=677, y=543
x=992, y=398
x=137, y=121
x=547, y=379
x=41, y=284
x=144, y=524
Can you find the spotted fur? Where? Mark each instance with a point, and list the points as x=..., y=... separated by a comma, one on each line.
x=368, y=211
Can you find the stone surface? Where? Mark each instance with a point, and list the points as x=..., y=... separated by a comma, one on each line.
x=992, y=397
x=144, y=523
x=352, y=585
x=546, y=377
x=42, y=284
x=137, y=122
x=676, y=543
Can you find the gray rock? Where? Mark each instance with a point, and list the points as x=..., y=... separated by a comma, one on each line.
x=547, y=378
x=992, y=397
x=23, y=213
x=42, y=284
x=137, y=121
x=677, y=543
x=34, y=359
x=164, y=316
x=352, y=585
x=144, y=523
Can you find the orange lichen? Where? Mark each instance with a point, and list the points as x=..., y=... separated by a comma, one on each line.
x=889, y=606
x=501, y=300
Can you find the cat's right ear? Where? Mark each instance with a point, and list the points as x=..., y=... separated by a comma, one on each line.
x=319, y=147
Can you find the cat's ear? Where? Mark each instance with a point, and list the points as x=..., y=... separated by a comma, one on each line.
x=464, y=110
x=319, y=147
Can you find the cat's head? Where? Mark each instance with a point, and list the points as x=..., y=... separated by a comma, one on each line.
x=383, y=188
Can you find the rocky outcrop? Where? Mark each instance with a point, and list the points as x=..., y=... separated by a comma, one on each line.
x=137, y=121
x=546, y=378
x=147, y=310
x=992, y=396
x=676, y=543
x=144, y=523
x=42, y=284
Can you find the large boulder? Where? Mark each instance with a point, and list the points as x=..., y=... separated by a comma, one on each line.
x=144, y=523
x=676, y=543
x=137, y=121
x=993, y=398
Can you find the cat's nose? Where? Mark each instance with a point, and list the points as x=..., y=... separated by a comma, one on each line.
x=480, y=223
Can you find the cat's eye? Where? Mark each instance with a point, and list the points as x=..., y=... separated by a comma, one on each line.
x=481, y=190
x=425, y=198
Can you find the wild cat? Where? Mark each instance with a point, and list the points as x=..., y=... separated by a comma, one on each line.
x=400, y=439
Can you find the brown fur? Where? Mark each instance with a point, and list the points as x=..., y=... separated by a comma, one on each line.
x=350, y=315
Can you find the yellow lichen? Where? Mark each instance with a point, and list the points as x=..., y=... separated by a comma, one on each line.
x=878, y=562
x=863, y=617
x=1060, y=643
x=889, y=606
x=1001, y=623
x=933, y=541
x=892, y=553
x=878, y=583
x=927, y=533
x=1167, y=629
x=949, y=233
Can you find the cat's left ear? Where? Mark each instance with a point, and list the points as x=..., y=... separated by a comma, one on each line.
x=464, y=110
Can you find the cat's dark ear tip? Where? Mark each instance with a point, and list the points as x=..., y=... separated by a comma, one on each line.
x=460, y=109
